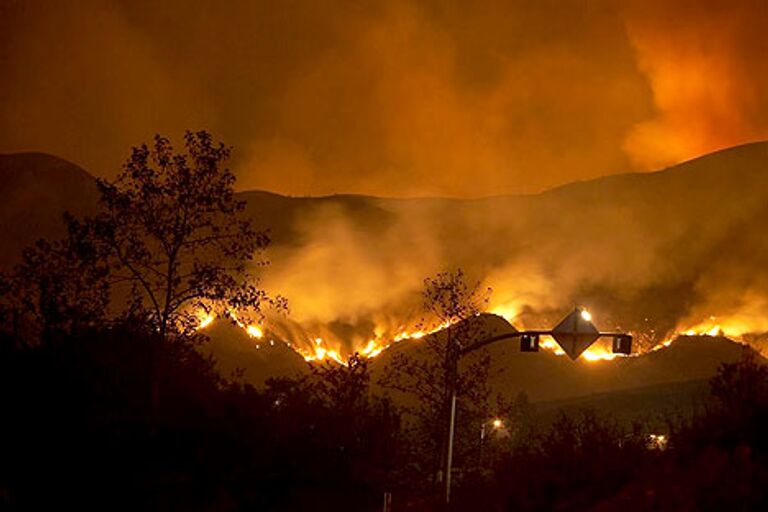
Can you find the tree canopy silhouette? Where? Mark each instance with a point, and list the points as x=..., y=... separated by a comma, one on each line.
x=60, y=286
x=170, y=238
x=175, y=233
x=429, y=377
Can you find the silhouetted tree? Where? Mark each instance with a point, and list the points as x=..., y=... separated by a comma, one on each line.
x=430, y=377
x=169, y=236
x=742, y=387
x=341, y=386
x=176, y=234
x=60, y=287
x=716, y=460
x=737, y=412
x=572, y=464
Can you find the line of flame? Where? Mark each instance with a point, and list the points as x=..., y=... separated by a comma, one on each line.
x=321, y=351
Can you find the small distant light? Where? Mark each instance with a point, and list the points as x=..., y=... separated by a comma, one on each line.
x=586, y=315
x=497, y=423
x=658, y=442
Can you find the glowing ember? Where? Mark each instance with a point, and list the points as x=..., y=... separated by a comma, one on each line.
x=592, y=354
x=552, y=346
x=319, y=353
x=410, y=335
x=254, y=331
x=372, y=349
x=205, y=320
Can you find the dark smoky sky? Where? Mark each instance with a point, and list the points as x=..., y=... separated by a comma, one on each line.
x=393, y=97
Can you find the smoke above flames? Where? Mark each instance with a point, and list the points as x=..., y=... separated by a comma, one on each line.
x=659, y=254
x=706, y=67
x=395, y=98
x=428, y=98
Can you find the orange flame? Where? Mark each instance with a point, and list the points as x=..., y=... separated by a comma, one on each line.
x=320, y=349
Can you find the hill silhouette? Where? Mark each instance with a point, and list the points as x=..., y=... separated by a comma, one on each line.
x=546, y=377
x=646, y=251
x=35, y=190
x=241, y=357
x=672, y=378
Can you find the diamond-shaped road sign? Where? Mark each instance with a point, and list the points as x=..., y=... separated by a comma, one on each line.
x=575, y=333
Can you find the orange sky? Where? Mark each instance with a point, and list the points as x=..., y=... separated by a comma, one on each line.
x=393, y=97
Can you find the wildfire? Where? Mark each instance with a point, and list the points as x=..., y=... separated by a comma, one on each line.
x=552, y=346
x=600, y=354
x=417, y=335
x=254, y=331
x=731, y=328
x=321, y=353
x=372, y=349
x=205, y=320
x=592, y=354
x=319, y=348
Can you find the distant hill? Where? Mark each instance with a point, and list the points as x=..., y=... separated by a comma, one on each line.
x=644, y=251
x=546, y=377
x=250, y=360
x=35, y=190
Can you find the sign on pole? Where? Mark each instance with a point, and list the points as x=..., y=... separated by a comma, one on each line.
x=575, y=333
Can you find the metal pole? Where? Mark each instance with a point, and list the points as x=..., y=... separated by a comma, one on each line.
x=482, y=442
x=387, y=502
x=449, y=455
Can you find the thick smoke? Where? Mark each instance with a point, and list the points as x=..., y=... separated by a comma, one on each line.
x=409, y=98
x=394, y=98
x=706, y=66
x=654, y=254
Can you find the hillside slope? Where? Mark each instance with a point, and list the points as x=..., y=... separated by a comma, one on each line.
x=646, y=252
x=35, y=190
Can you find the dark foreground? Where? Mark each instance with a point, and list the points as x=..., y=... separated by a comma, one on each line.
x=80, y=429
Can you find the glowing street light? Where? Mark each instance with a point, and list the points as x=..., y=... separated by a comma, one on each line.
x=575, y=333
x=497, y=424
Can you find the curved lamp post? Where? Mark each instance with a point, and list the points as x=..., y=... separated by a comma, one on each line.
x=575, y=333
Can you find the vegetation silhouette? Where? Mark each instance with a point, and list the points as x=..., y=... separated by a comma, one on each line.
x=108, y=403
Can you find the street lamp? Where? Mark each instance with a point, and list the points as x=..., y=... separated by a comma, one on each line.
x=496, y=424
x=575, y=333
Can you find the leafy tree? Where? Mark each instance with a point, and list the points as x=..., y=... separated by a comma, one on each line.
x=169, y=236
x=60, y=287
x=742, y=387
x=176, y=235
x=342, y=387
x=737, y=412
x=429, y=377
x=578, y=460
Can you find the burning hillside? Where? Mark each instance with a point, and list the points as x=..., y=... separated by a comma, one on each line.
x=655, y=254
x=652, y=254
